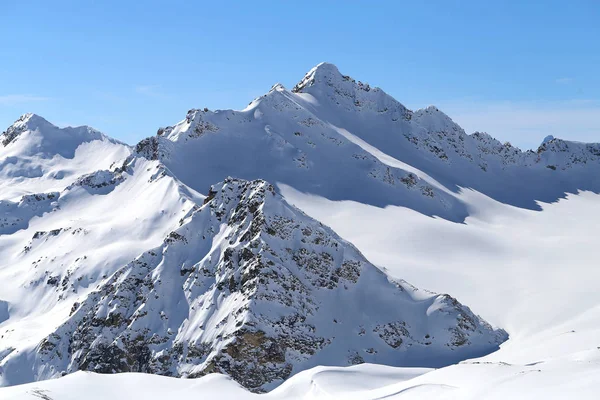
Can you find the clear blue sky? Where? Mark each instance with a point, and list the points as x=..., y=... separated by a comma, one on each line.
x=519, y=70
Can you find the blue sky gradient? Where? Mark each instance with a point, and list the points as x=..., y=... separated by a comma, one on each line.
x=518, y=71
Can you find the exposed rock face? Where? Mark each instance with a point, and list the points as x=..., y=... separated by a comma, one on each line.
x=101, y=182
x=13, y=131
x=564, y=154
x=148, y=148
x=15, y=216
x=252, y=287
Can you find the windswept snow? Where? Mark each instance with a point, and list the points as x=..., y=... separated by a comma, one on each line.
x=361, y=382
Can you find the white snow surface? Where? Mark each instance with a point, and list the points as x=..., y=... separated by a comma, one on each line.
x=512, y=234
x=36, y=156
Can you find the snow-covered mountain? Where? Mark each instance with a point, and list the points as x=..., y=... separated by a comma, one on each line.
x=152, y=259
x=36, y=156
x=240, y=283
x=251, y=287
x=344, y=140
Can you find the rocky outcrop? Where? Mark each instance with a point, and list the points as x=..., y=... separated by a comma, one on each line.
x=148, y=148
x=14, y=130
x=15, y=215
x=99, y=182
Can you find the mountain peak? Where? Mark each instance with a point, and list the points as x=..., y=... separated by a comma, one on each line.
x=277, y=87
x=548, y=139
x=325, y=68
x=33, y=136
x=329, y=75
x=29, y=118
x=434, y=119
x=264, y=291
x=26, y=122
x=327, y=84
x=31, y=121
x=321, y=73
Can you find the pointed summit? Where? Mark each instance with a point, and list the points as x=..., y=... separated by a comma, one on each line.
x=26, y=122
x=33, y=120
x=36, y=135
x=435, y=120
x=277, y=87
x=322, y=73
x=329, y=86
x=325, y=69
x=547, y=139
x=291, y=293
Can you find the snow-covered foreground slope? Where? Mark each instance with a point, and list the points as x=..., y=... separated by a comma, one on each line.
x=357, y=382
x=360, y=382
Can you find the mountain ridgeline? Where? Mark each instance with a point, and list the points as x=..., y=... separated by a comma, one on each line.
x=368, y=148
x=180, y=257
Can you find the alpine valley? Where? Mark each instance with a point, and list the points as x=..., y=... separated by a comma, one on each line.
x=271, y=253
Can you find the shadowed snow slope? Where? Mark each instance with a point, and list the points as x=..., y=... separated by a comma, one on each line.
x=533, y=273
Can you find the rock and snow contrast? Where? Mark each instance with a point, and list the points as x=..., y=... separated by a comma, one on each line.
x=202, y=251
x=251, y=287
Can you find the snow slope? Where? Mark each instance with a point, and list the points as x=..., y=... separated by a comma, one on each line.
x=533, y=273
x=36, y=156
x=357, y=382
x=86, y=232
